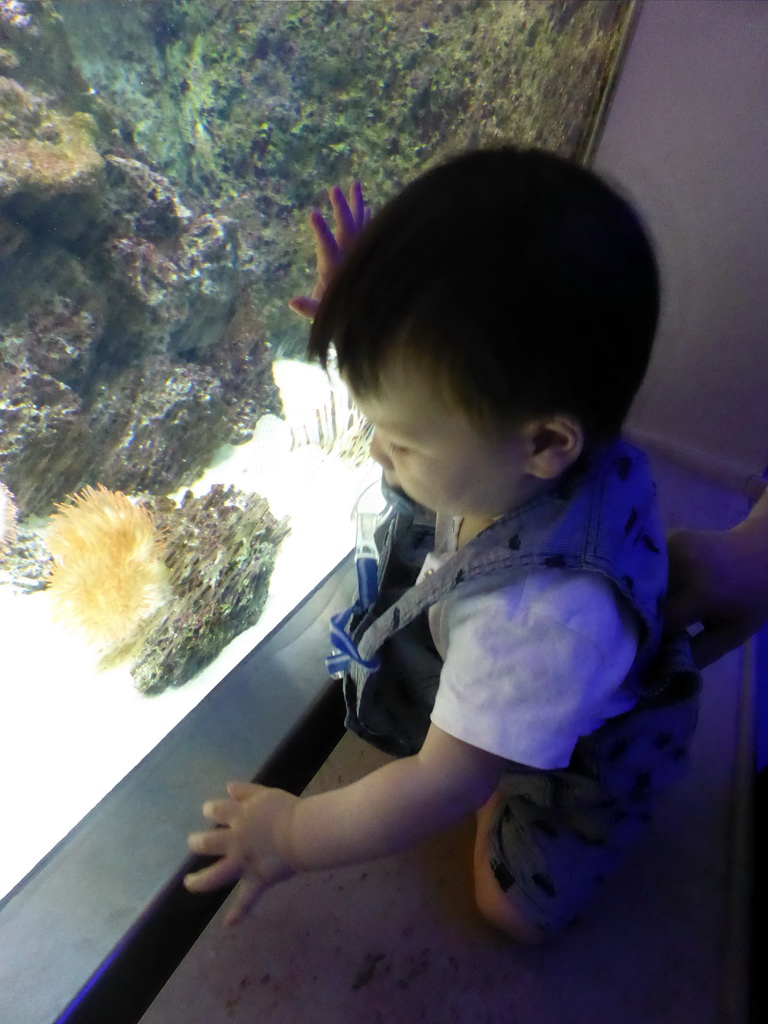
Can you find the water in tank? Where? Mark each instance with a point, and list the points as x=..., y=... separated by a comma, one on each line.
x=174, y=475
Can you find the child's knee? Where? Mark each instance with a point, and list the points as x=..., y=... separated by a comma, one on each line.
x=500, y=912
x=492, y=902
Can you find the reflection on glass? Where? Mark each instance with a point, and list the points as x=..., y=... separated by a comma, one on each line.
x=173, y=477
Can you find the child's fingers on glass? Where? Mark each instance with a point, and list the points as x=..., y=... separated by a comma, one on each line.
x=220, y=811
x=348, y=209
x=349, y=215
x=360, y=211
x=239, y=790
x=212, y=843
x=305, y=306
x=223, y=872
x=327, y=250
x=246, y=895
x=343, y=216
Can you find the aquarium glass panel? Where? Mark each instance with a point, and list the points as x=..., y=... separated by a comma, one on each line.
x=174, y=475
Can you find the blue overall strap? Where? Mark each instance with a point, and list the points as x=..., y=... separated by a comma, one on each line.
x=343, y=646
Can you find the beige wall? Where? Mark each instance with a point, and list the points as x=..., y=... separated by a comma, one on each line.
x=687, y=137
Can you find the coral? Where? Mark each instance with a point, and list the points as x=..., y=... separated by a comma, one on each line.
x=8, y=518
x=108, y=574
x=221, y=550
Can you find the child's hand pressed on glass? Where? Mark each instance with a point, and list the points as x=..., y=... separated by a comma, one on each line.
x=268, y=835
x=251, y=845
x=331, y=246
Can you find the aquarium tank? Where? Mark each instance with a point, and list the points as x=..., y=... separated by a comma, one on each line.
x=174, y=475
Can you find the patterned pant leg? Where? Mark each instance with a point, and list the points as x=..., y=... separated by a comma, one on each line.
x=556, y=835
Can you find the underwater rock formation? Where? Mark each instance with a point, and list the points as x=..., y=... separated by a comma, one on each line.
x=15, y=15
x=259, y=107
x=154, y=158
x=174, y=275
x=8, y=518
x=43, y=152
x=220, y=549
x=123, y=356
x=34, y=45
x=25, y=562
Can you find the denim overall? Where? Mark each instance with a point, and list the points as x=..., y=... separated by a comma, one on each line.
x=556, y=832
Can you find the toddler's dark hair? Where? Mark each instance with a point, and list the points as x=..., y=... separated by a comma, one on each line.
x=521, y=281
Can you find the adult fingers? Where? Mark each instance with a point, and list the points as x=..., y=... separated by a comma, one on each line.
x=682, y=609
x=716, y=639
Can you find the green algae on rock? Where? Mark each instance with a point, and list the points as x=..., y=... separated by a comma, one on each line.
x=258, y=107
x=43, y=152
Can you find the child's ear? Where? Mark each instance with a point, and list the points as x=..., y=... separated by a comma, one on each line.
x=554, y=444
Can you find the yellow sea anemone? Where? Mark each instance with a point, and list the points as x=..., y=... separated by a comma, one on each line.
x=108, y=573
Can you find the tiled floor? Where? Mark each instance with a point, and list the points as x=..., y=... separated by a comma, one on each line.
x=398, y=940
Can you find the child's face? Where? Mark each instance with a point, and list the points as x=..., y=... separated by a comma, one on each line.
x=431, y=450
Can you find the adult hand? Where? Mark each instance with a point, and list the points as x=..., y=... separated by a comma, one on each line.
x=251, y=846
x=718, y=578
x=331, y=246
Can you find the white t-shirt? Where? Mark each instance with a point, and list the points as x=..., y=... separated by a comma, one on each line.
x=532, y=664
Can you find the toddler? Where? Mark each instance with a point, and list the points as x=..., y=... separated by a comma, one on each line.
x=493, y=322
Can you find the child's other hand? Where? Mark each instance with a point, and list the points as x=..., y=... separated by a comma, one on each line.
x=251, y=846
x=350, y=217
